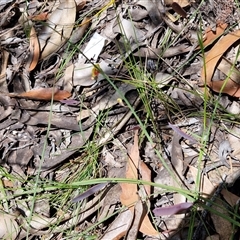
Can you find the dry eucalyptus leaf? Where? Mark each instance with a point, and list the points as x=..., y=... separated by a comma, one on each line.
x=206, y=187
x=129, y=196
x=34, y=50
x=119, y=227
x=58, y=28
x=211, y=36
x=212, y=60
x=222, y=225
x=138, y=214
x=9, y=228
x=45, y=94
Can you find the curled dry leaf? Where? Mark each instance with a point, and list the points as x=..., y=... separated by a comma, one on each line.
x=9, y=228
x=212, y=60
x=80, y=4
x=34, y=50
x=58, y=28
x=178, y=9
x=45, y=94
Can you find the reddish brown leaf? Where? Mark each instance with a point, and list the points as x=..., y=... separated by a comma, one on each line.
x=211, y=36
x=45, y=94
x=40, y=17
x=212, y=60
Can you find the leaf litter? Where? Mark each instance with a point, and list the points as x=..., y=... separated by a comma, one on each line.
x=119, y=120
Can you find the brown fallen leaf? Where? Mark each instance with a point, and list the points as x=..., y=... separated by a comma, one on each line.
x=212, y=60
x=129, y=196
x=211, y=36
x=39, y=17
x=34, y=48
x=45, y=94
x=146, y=176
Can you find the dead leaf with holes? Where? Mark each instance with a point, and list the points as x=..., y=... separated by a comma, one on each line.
x=230, y=85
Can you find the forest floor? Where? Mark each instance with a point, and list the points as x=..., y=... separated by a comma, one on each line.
x=119, y=119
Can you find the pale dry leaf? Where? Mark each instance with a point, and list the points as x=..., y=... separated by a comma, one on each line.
x=68, y=78
x=231, y=198
x=213, y=237
x=3, y=70
x=206, y=188
x=130, y=32
x=226, y=67
x=119, y=226
x=177, y=163
x=9, y=228
x=78, y=33
x=58, y=28
x=134, y=228
x=154, y=9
